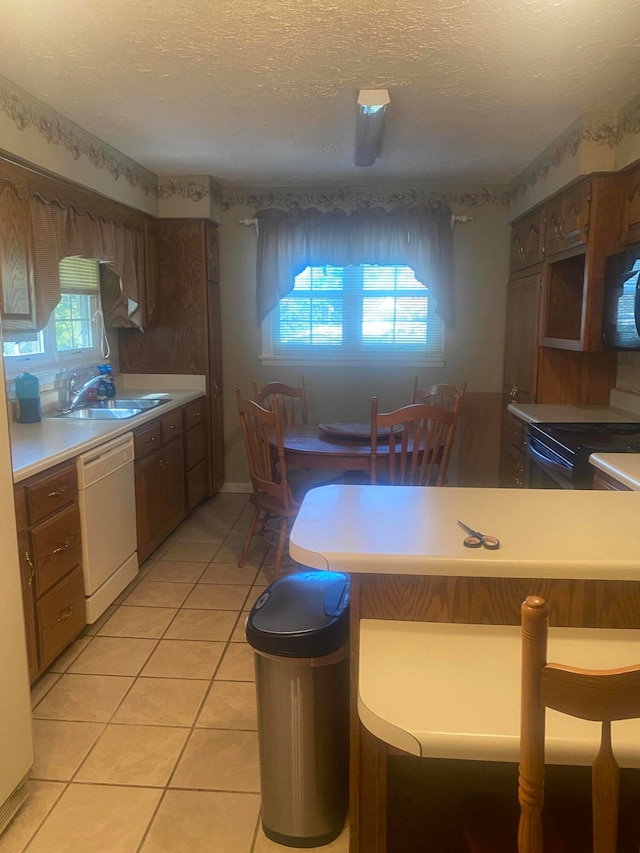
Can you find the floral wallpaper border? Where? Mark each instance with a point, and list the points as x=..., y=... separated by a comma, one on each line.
x=358, y=197
x=193, y=190
x=606, y=129
x=27, y=112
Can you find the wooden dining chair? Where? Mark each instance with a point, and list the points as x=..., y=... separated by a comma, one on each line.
x=441, y=394
x=274, y=506
x=293, y=401
x=419, y=438
x=491, y=824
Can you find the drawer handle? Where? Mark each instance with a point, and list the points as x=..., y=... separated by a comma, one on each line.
x=196, y=414
x=65, y=614
x=172, y=426
x=57, y=494
x=27, y=558
x=61, y=548
x=198, y=445
x=149, y=440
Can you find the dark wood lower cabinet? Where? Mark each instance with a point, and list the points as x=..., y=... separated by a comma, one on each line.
x=48, y=521
x=160, y=495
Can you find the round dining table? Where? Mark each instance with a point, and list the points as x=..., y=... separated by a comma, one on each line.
x=344, y=446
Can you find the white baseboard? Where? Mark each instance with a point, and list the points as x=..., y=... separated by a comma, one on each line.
x=237, y=488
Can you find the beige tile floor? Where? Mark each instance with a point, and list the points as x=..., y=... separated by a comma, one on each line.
x=145, y=729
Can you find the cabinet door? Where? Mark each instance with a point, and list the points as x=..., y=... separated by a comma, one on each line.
x=567, y=224
x=160, y=496
x=151, y=306
x=527, y=241
x=16, y=263
x=522, y=336
x=173, y=484
x=149, y=503
x=631, y=207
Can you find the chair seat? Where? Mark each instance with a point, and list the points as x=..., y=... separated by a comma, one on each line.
x=490, y=823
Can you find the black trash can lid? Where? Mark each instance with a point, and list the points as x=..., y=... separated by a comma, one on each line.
x=304, y=615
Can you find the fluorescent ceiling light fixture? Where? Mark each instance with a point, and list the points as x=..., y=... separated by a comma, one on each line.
x=372, y=104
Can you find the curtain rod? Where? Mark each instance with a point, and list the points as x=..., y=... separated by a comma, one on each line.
x=464, y=218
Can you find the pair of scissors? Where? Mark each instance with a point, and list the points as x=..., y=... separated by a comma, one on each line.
x=477, y=540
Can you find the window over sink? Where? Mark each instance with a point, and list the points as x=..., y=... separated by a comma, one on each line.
x=74, y=334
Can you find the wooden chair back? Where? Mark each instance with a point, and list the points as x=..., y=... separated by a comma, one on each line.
x=603, y=696
x=293, y=401
x=260, y=427
x=420, y=440
x=441, y=394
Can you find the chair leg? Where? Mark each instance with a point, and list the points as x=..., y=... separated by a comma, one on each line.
x=250, y=534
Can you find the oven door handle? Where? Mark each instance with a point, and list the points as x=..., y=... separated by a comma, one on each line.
x=544, y=455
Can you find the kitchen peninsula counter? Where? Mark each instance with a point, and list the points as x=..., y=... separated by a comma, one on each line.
x=36, y=447
x=404, y=552
x=624, y=467
x=413, y=531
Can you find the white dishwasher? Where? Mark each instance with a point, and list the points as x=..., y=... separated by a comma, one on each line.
x=106, y=494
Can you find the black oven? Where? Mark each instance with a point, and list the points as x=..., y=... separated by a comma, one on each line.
x=544, y=468
x=558, y=453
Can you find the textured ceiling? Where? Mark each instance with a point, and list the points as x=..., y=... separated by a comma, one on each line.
x=262, y=92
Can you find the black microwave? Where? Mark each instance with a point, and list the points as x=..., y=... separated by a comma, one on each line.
x=621, y=304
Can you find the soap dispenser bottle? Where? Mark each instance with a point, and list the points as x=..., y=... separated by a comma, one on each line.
x=28, y=398
x=106, y=371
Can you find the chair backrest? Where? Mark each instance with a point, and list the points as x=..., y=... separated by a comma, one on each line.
x=587, y=694
x=262, y=432
x=445, y=396
x=293, y=402
x=420, y=439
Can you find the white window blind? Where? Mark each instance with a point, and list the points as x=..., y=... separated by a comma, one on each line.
x=357, y=312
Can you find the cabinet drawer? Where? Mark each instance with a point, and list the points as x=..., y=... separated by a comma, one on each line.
x=60, y=616
x=48, y=494
x=194, y=414
x=147, y=439
x=171, y=425
x=195, y=446
x=21, y=509
x=56, y=547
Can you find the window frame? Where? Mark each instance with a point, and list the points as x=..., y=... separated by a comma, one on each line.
x=377, y=354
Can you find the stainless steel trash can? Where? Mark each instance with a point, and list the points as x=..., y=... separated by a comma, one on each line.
x=298, y=629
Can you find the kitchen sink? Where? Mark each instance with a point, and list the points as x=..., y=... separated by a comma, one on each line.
x=115, y=409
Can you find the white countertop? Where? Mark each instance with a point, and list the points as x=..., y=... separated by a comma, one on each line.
x=453, y=691
x=36, y=447
x=410, y=530
x=624, y=467
x=533, y=413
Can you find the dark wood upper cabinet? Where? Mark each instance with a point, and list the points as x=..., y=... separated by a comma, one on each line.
x=16, y=252
x=527, y=241
x=631, y=206
x=567, y=219
x=582, y=228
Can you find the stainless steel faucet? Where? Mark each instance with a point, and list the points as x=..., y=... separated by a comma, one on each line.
x=77, y=397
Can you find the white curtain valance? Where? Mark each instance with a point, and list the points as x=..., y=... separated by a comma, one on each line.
x=289, y=241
